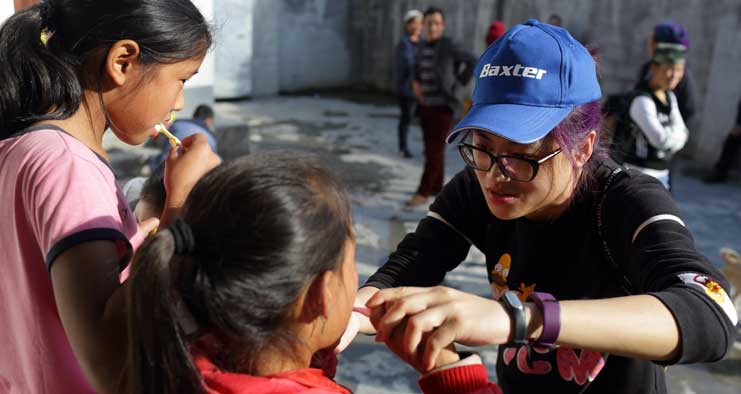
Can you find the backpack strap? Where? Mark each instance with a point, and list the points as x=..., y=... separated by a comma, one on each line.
x=625, y=282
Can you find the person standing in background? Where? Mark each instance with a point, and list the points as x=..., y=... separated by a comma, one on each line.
x=671, y=33
x=442, y=68
x=406, y=51
x=659, y=130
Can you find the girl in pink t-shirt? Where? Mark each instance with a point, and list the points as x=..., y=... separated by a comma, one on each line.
x=71, y=70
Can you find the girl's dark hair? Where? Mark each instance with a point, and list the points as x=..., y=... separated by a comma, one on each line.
x=264, y=226
x=45, y=81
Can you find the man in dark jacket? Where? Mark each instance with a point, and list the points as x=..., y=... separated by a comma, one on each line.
x=406, y=51
x=442, y=69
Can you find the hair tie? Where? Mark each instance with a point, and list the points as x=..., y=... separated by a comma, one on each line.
x=185, y=243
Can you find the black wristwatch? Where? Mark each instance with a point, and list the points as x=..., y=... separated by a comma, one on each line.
x=517, y=314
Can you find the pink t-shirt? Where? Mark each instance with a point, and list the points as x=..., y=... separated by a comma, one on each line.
x=56, y=193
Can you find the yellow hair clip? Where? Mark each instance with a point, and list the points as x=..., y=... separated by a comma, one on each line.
x=44, y=37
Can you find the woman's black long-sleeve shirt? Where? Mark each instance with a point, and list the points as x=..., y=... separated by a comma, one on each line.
x=643, y=230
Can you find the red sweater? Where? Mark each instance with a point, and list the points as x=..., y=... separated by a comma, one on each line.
x=468, y=379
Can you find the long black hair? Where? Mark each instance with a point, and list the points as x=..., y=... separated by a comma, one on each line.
x=45, y=80
x=263, y=226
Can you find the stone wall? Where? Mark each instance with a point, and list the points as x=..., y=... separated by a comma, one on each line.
x=376, y=27
x=618, y=27
x=271, y=46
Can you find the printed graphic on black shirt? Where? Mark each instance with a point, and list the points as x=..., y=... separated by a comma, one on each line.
x=578, y=366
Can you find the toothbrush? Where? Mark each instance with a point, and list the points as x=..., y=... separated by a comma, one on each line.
x=174, y=141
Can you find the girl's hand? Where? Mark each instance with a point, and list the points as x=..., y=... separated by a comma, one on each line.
x=185, y=166
x=396, y=342
x=148, y=226
x=359, y=323
x=432, y=319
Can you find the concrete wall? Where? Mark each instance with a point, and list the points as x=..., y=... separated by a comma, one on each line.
x=314, y=45
x=618, y=27
x=270, y=46
x=376, y=27
x=722, y=87
x=234, y=23
x=200, y=88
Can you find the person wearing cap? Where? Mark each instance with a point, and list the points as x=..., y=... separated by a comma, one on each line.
x=406, y=51
x=596, y=282
x=442, y=69
x=658, y=130
x=671, y=33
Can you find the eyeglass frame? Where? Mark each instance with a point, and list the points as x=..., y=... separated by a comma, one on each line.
x=535, y=164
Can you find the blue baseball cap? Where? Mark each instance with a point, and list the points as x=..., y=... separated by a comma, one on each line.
x=528, y=81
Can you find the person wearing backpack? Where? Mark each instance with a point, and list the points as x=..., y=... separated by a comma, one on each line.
x=596, y=282
x=658, y=130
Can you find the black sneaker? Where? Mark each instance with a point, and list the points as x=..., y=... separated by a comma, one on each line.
x=405, y=154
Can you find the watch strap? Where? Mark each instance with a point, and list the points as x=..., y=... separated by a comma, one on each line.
x=551, y=315
x=517, y=315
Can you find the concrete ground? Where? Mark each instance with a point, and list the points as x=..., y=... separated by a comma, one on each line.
x=357, y=137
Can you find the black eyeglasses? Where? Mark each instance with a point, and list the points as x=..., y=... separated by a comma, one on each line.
x=514, y=167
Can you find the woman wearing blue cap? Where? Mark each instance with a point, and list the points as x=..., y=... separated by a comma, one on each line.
x=595, y=278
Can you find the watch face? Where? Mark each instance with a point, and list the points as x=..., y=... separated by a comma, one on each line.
x=513, y=300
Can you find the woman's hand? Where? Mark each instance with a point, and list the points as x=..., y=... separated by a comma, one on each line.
x=185, y=165
x=432, y=319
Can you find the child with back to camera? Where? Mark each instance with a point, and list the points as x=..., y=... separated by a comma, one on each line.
x=70, y=71
x=255, y=280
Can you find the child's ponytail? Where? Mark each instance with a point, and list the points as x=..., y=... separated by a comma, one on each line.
x=159, y=360
x=37, y=84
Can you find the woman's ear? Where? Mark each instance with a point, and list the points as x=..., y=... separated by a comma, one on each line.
x=585, y=149
x=122, y=61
